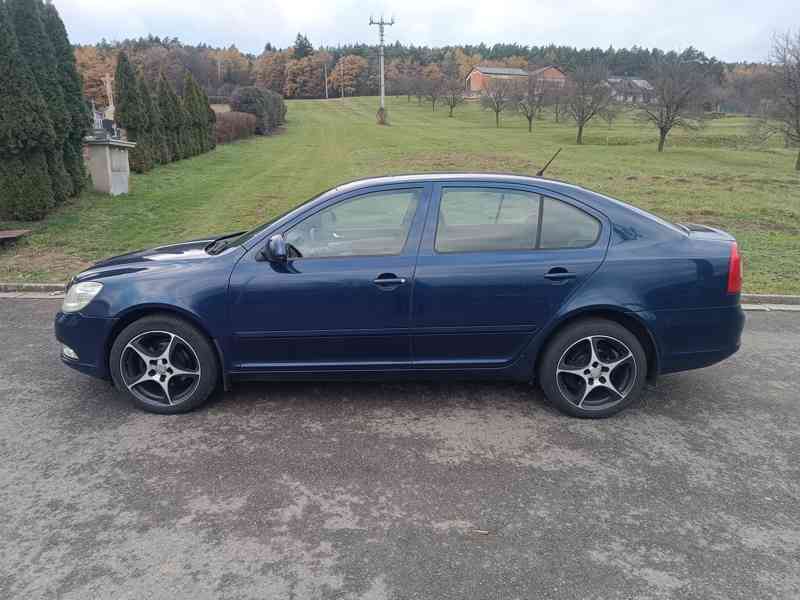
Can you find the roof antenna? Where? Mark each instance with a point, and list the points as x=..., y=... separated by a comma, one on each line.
x=541, y=171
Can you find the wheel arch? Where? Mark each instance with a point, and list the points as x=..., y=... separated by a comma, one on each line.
x=135, y=313
x=634, y=323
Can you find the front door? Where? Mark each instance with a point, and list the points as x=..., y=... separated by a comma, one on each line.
x=343, y=299
x=495, y=264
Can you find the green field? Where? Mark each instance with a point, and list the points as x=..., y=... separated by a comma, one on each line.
x=707, y=176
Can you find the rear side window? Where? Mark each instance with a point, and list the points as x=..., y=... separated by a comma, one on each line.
x=564, y=226
x=492, y=219
x=485, y=219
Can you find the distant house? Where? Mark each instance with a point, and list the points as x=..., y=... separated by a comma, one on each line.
x=631, y=90
x=477, y=78
x=549, y=77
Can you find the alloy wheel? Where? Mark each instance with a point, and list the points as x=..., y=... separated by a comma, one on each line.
x=160, y=367
x=596, y=372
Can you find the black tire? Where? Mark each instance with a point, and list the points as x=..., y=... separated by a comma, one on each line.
x=578, y=386
x=181, y=383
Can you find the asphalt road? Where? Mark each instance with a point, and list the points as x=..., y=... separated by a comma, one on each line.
x=429, y=491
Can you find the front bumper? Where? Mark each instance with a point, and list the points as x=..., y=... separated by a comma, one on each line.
x=88, y=337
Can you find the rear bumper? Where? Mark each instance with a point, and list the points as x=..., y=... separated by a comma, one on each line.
x=696, y=338
x=87, y=337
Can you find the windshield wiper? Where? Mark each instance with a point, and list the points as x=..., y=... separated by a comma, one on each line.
x=222, y=242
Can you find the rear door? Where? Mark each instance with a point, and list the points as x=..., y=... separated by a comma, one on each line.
x=496, y=262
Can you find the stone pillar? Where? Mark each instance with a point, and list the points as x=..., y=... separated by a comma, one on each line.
x=108, y=164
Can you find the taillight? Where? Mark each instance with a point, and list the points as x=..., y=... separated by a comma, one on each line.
x=735, y=271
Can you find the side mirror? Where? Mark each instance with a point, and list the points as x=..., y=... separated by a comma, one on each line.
x=275, y=250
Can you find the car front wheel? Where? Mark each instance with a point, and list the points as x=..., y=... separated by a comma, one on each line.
x=164, y=364
x=593, y=368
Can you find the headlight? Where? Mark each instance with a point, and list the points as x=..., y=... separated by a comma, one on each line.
x=79, y=295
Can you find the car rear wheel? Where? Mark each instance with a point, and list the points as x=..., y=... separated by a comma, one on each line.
x=593, y=368
x=164, y=364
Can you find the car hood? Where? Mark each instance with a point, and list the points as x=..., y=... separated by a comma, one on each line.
x=150, y=259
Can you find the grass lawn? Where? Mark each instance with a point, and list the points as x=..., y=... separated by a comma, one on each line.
x=706, y=176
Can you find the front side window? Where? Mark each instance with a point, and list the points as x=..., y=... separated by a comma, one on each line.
x=370, y=225
x=486, y=219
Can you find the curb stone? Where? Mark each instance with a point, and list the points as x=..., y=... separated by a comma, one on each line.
x=32, y=287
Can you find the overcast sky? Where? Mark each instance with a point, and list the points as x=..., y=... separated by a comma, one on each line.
x=729, y=29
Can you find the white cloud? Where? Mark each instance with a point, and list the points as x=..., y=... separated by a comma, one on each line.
x=729, y=29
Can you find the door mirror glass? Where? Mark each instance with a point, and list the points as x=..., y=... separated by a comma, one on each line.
x=276, y=249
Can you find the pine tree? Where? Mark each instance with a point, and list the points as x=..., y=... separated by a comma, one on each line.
x=26, y=132
x=130, y=112
x=37, y=50
x=155, y=132
x=72, y=88
x=170, y=107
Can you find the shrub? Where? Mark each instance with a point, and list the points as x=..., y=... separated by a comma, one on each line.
x=267, y=106
x=25, y=188
x=232, y=126
x=219, y=99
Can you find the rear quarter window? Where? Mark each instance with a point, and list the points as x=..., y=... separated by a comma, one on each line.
x=564, y=226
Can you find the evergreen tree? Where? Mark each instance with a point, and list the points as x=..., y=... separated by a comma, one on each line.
x=130, y=112
x=212, y=128
x=26, y=132
x=72, y=88
x=197, y=113
x=209, y=118
x=302, y=47
x=37, y=50
x=155, y=132
x=185, y=138
x=170, y=107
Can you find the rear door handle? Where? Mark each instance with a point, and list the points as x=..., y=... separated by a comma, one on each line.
x=559, y=274
x=388, y=279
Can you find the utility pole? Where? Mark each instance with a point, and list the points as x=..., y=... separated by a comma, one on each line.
x=381, y=24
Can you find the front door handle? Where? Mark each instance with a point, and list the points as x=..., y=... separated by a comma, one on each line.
x=559, y=274
x=388, y=279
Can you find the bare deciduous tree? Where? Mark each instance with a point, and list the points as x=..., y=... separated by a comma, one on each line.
x=497, y=96
x=679, y=89
x=785, y=110
x=611, y=113
x=418, y=85
x=553, y=98
x=587, y=95
x=434, y=90
x=530, y=100
x=453, y=94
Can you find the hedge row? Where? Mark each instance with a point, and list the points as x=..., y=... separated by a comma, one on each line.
x=232, y=126
x=165, y=127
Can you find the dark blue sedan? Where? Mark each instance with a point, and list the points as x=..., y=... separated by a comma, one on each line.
x=419, y=276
